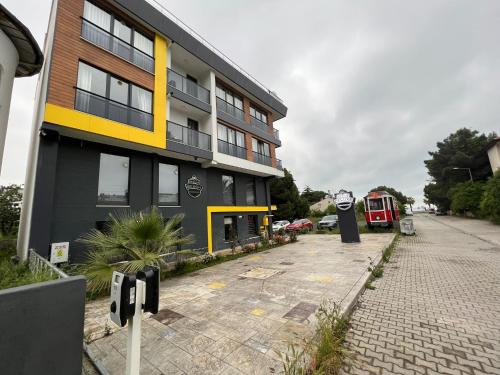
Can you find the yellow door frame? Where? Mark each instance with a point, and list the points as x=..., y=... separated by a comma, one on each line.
x=232, y=209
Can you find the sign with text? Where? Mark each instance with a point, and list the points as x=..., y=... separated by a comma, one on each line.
x=349, y=232
x=59, y=252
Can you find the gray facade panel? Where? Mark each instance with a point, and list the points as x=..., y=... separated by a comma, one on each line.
x=42, y=328
x=189, y=150
x=73, y=210
x=164, y=25
x=176, y=93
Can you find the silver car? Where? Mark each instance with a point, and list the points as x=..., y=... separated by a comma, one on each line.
x=328, y=222
x=281, y=224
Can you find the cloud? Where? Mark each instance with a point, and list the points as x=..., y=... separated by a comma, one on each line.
x=370, y=86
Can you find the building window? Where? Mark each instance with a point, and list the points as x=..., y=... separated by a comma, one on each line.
x=230, y=228
x=168, y=191
x=231, y=142
x=258, y=114
x=253, y=225
x=104, y=95
x=228, y=196
x=261, y=152
x=229, y=97
x=251, y=201
x=113, y=180
x=97, y=16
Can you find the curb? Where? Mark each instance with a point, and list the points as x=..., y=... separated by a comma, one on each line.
x=347, y=311
x=99, y=367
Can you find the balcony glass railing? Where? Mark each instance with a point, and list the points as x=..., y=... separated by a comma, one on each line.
x=103, y=107
x=258, y=124
x=187, y=86
x=190, y=137
x=230, y=109
x=231, y=149
x=113, y=44
x=276, y=133
x=279, y=164
x=262, y=159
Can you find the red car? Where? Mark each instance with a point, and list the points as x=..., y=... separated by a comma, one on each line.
x=300, y=224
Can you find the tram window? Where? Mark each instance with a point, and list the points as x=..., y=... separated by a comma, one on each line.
x=376, y=204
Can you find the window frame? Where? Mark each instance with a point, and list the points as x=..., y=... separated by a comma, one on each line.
x=259, y=113
x=231, y=93
x=111, y=31
x=113, y=203
x=254, y=191
x=256, y=222
x=234, y=224
x=162, y=204
x=108, y=88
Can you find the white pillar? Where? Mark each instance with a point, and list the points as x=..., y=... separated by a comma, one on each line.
x=134, y=331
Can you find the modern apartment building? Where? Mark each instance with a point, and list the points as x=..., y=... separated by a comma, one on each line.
x=136, y=110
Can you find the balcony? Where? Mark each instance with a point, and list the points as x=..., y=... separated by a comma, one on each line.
x=188, y=141
x=231, y=149
x=230, y=109
x=188, y=91
x=102, y=38
x=259, y=124
x=279, y=164
x=262, y=159
x=97, y=105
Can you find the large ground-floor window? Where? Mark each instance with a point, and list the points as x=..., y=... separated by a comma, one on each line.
x=230, y=228
x=168, y=192
x=113, y=180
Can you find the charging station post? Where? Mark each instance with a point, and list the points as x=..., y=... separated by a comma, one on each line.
x=134, y=331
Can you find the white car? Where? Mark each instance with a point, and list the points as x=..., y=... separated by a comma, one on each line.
x=282, y=224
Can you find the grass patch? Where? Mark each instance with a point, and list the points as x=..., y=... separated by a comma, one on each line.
x=378, y=270
x=13, y=275
x=325, y=352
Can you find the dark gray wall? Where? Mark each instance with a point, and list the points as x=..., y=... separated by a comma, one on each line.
x=65, y=204
x=41, y=328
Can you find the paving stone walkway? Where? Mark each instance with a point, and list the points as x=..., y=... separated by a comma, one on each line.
x=436, y=310
x=239, y=316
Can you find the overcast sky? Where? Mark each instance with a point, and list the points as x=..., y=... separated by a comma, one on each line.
x=370, y=86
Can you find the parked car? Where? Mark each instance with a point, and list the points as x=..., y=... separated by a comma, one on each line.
x=300, y=224
x=328, y=222
x=281, y=224
x=441, y=212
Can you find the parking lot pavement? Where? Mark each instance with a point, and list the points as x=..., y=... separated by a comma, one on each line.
x=239, y=316
x=436, y=310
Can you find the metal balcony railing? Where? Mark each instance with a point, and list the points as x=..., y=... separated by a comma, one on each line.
x=230, y=109
x=102, y=38
x=276, y=133
x=231, y=149
x=259, y=124
x=279, y=164
x=97, y=105
x=262, y=159
x=187, y=86
x=190, y=137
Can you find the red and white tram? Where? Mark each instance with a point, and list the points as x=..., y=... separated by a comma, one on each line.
x=381, y=209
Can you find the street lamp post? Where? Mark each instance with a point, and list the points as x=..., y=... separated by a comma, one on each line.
x=470, y=173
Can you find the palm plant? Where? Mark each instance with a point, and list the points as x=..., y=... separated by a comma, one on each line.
x=132, y=241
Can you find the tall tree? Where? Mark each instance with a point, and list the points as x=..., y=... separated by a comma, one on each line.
x=10, y=208
x=465, y=148
x=284, y=194
x=312, y=196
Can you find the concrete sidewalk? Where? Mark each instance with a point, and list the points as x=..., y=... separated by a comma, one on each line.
x=239, y=316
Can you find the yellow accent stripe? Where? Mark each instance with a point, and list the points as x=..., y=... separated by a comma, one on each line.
x=219, y=209
x=71, y=118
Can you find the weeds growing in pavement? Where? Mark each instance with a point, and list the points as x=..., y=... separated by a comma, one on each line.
x=324, y=353
x=378, y=271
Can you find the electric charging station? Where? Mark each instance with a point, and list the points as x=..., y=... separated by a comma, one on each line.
x=131, y=296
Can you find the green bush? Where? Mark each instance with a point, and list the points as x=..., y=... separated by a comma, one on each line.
x=13, y=275
x=490, y=203
x=331, y=210
x=466, y=197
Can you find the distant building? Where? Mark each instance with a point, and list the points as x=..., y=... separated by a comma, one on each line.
x=494, y=156
x=20, y=57
x=322, y=204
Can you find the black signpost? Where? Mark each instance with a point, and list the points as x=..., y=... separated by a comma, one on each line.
x=349, y=232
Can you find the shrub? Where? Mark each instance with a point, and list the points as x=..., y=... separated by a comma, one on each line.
x=317, y=213
x=490, y=203
x=466, y=197
x=248, y=248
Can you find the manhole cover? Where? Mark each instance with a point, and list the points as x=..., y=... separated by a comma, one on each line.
x=301, y=312
x=259, y=273
x=167, y=316
x=286, y=263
